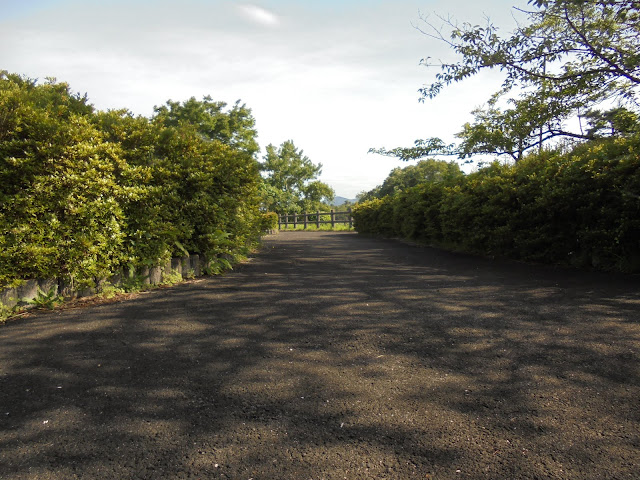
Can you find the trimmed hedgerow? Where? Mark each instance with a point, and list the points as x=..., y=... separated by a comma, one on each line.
x=581, y=208
x=84, y=194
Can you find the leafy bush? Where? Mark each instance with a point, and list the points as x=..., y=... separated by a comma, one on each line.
x=47, y=300
x=84, y=194
x=269, y=221
x=581, y=208
x=60, y=202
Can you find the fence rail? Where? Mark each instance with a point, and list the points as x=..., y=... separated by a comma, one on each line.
x=317, y=219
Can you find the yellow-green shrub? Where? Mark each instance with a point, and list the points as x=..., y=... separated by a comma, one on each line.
x=84, y=194
x=580, y=208
x=268, y=221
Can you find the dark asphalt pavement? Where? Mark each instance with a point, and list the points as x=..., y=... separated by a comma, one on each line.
x=333, y=356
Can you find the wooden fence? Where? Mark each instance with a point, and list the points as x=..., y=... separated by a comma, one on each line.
x=317, y=219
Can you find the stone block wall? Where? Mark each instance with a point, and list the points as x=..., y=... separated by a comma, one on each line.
x=187, y=266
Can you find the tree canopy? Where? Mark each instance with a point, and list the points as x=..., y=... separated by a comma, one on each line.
x=291, y=183
x=235, y=127
x=401, y=179
x=571, y=58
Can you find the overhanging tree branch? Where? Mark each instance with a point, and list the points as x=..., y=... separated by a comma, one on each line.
x=571, y=57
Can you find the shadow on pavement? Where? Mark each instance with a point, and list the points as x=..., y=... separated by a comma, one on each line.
x=331, y=355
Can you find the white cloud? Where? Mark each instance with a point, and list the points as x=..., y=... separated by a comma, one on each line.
x=259, y=15
x=336, y=80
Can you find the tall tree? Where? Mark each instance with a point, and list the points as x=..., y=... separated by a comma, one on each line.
x=425, y=171
x=235, y=127
x=571, y=57
x=291, y=183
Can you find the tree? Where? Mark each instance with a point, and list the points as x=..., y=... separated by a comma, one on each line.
x=571, y=57
x=425, y=171
x=235, y=128
x=291, y=184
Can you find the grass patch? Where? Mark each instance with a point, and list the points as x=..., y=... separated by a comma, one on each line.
x=315, y=228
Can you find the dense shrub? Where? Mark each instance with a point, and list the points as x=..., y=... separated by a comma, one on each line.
x=85, y=193
x=580, y=207
x=60, y=202
x=269, y=221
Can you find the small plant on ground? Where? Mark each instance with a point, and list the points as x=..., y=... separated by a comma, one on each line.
x=133, y=282
x=173, y=276
x=218, y=266
x=49, y=300
x=191, y=273
x=6, y=312
x=108, y=290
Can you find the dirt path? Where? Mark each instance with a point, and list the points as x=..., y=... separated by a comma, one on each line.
x=332, y=356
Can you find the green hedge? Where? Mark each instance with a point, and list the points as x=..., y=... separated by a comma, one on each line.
x=269, y=221
x=84, y=194
x=580, y=208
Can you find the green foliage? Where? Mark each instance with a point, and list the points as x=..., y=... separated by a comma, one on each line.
x=5, y=313
x=425, y=171
x=269, y=221
x=291, y=184
x=108, y=290
x=48, y=300
x=235, y=127
x=580, y=208
x=60, y=202
x=585, y=47
x=171, y=277
x=613, y=122
x=567, y=59
x=218, y=266
x=133, y=282
x=84, y=194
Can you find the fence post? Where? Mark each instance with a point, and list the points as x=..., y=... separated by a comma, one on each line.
x=333, y=219
x=350, y=218
x=305, y=220
x=279, y=222
x=295, y=220
x=318, y=219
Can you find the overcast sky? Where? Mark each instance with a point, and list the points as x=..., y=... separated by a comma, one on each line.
x=335, y=76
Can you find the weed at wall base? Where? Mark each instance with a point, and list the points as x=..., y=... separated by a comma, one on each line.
x=48, y=300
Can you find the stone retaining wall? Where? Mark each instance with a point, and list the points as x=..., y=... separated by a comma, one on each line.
x=188, y=267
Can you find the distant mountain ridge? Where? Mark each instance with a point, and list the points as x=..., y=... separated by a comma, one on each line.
x=338, y=201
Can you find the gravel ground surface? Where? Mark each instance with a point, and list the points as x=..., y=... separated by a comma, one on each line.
x=333, y=356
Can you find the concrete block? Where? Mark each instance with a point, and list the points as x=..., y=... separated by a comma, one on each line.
x=155, y=275
x=187, y=266
x=195, y=265
x=68, y=290
x=86, y=292
x=46, y=285
x=65, y=289
x=115, y=280
x=176, y=265
x=9, y=297
x=185, y=263
x=27, y=291
x=144, y=273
